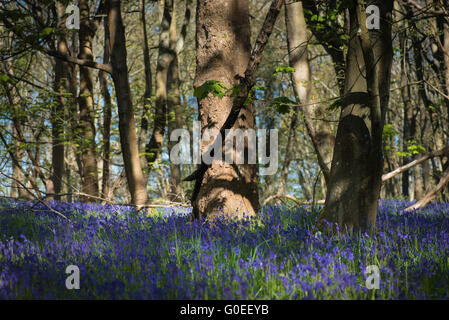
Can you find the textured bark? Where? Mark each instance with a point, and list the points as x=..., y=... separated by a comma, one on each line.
x=297, y=41
x=222, y=49
x=127, y=125
x=87, y=130
x=355, y=180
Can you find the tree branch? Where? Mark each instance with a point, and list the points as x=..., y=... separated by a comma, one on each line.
x=82, y=62
x=416, y=162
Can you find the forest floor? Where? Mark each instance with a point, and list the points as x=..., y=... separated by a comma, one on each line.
x=122, y=254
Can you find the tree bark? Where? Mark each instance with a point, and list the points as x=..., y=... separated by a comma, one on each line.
x=165, y=58
x=144, y=122
x=58, y=112
x=355, y=179
x=127, y=125
x=174, y=105
x=223, y=51
x=87, y=130
x=297, y=43
x=223, y=35
x=107, y=117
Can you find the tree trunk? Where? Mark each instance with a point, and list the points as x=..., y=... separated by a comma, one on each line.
x=165, y=58
x=223, y=51
x=175, y=121
x=406, y=101
x=58, y=112
x=87, y=130
x=297, y=41
x=174, y=105
x=107, y=117
x=144, y=122
x=127, y=125
x=355, y=179
x=283, y=180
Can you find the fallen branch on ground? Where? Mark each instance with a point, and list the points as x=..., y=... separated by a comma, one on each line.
x=153, y=205
x=296, y=200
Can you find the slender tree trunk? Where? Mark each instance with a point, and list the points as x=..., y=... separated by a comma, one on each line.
x=174, y=105
x=58, y=112
x=15, y=187
x=165, y=58
x=283, y=180
x=406, y=104
x=144, y=123
x=87, y=128
x=127, y=125
x=355, y=179
x=107, y=117
x=175, y=121
x=297, y=40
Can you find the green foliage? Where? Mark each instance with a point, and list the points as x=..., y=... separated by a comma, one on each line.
x=335, y=105
x=282, y=104
x=283, y=69
x=388, y=131
x=5, y=79
x=413, y=148
x=211, y=86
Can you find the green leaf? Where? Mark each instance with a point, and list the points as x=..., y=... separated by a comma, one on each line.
x=335, y=105
x=388, y=131
x=282, y=104
x=5, y=79
x=47, y=31
x=283, y=69
x=211, y=86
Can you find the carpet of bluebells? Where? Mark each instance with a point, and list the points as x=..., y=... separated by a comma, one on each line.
x=124, y=254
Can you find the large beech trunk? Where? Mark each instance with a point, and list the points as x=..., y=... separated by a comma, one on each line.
x=356, y=173
x=223, y=51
